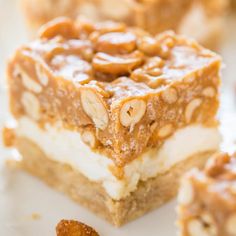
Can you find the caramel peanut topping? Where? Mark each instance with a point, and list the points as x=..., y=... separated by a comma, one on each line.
x=41, y=74
x=132, y=112
x=31, y=105
x=89, y=138
x=117, y=42
x=28, y=82
x=191, y=107
x=94, y=107
x=60, y=26
x=209, y=92
x=148, y=45
x=124, y=90
x=204, y=226
x=165, y=131
x=170, y=95
x=155, y=81
x=118, y=65
x=72, y=68
x=110, y=26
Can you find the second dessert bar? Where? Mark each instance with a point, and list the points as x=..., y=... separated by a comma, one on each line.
x=111, y=115
x=207, y=199
x=201, y=19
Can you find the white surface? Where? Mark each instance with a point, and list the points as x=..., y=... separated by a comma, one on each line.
x=21, y=195
x=66, y=146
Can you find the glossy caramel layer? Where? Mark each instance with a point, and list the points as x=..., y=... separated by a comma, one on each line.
x=124, y=90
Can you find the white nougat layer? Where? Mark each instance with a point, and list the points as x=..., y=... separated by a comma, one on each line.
x=66, y=146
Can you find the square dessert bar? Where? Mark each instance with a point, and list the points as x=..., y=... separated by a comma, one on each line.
x=207, y=199
x=183, y=16
x=111, y=115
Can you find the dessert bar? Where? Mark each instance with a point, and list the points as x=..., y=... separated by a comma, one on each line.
x=207, y=199
x=201, y=19
x=111, y=115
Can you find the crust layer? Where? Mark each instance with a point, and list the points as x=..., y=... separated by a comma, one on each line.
x=148, y=195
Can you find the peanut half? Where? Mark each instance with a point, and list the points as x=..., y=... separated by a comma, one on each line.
x=89, y=138
x=209, y=92
x=116, y=42
x=203, y=226
x=28, y=82
x=165, y=131
x=191, y=107
x=117, y=65
x=170, y=95
x=132, y=112
x=42, y=76
x=60, y=26
x=31, y=105
x=94, y=107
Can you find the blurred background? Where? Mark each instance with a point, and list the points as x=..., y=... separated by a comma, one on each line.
x=14, y=32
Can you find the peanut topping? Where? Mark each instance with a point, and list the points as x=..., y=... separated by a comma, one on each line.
x=124, y=85
x=42, y=76
x=117, y=42
x=94, y=107
x=169, y=95
x=165, y=131
x=31, y=105
x=132, y=112
x=209, y=92
x=150, y=73
x=148, y=45
x=204, y=226
x=191, y=107
x=89, y=138
x=61, y=26
x=153, y=126
x=28, y=82
x=117, y=65
x=216, y=165
x=150, y=77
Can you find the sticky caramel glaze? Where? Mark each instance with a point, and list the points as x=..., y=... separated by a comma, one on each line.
x=129, y=90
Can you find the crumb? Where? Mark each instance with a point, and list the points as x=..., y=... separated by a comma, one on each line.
x=35, y=216
x=74, y=228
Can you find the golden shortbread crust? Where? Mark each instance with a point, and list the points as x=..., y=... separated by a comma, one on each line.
x=148, y=195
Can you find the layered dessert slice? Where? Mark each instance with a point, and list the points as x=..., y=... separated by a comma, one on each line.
x=207, y=199
x=111, y=115
x=183, y=16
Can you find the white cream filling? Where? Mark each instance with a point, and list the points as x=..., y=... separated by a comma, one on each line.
x=66, y=146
